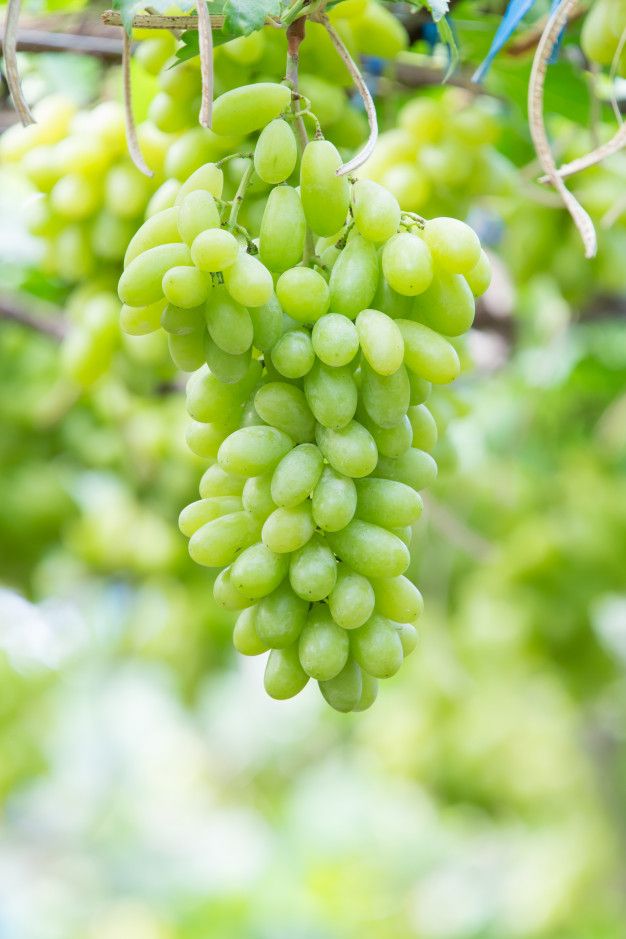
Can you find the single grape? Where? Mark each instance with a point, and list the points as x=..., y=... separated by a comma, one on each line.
x=407, y=264
x=323, y=646
x=335, y=340
x=303, y=294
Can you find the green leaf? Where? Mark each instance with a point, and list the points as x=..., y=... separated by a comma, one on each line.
x=243, y=17
x=436, y=8
x=448, y=39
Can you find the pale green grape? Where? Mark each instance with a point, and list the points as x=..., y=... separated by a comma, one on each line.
x=216, y=482
x=75, y=197
x=163, y=198
x=257, y=496
x=283, y=231
x=376, y=211
x=323, y=646
x=335, y=340
x=331, y=394
x=408, y=637
x=420, y=389
x=387, y=503
x=280, y=617
x=327, y=100
x=187, y=351
x=214, y=249
x=225, y=366
x=248, y=281
x=288, y=529
x=196, y=514
x=325, y=196
x=251, y=451
x=428, y=354
x=479, y=277
x=343, y=692
x=385, y=397
x=407, y=264
x=377, y=648
x=390, y=441
x=398, y=598
x=369, y=549
x=204, y=439
x=415, y=468
x=141, y=282
x=424, y=427
x=208, y=177
x=276, y=152
x=284, y=406
x=313, y=570
x=351, y=600
x=180, y=321
x=126, y=191
x=226, y=595
x=354, y=278
x=185, y=286
x=293, y=354
x=297, y=475
x=245, y=638
x=247, y=108
x=369, y=692
x=284, y=676
x=229, y=323
x=267, y=324
x=381, y=341
x=334, y=500
x=303, y=294
x=217, y=543
x=350, y=450
x=447, y=305
x=454, y=245
x=257, y=571
x=141, y=320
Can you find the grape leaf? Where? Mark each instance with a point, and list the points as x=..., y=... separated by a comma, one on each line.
x=243, y=17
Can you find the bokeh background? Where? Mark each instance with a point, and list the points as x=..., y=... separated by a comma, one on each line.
x=148, y=787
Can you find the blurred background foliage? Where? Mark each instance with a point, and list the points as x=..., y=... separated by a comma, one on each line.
x=148, y=787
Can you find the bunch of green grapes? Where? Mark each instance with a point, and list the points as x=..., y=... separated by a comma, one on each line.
x=441, y=154
x=311, y=373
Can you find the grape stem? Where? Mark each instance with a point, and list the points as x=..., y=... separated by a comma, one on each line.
x=9, y=48
x=132, y=140
x=234, y=156
x=361, y=86
x=205, y=42
x=295, y=35
x=240, y=194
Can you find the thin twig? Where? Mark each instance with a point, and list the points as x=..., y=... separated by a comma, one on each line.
x=39, y=316
x=205, y=41
x=295, y=35
x=131, y=130
x=370, y=109
x=9, y=48
x=538, y=132
x=152, y=21
x=40, y=40
x=595, y=156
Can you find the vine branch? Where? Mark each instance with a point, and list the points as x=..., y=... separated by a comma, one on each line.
x=9, y=48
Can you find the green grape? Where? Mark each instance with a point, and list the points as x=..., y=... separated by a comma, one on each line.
x=428, y=354
x=394, y=304
x=479, y=277
x=283, y=231
x=193, y=148
x=288, y=529
x=160, y=229
x=398, y=598
x=420, y=389
x=153, y=54
x=376, y=211
x=257, y=496
x=218, y=543
x=408, y=637
x=313, y=570
x=390, y=441
x=325, y=196
x=387, y=503
x=141, y=282
x=245, y=638
x=225, y=366
x=267, y=324
x=163, y=198
x=214, y=250
x=75, y=197
x=343, y=692
x=209, y=400
x=335, y=340
x=351, y=450
x=333, y=502
x=303, y=294
x=293, y=354
x=88, y=349
x=248, y=108
x=297, y=475
x=284, y=676
x=248, y=281
x=257, y=571
x=251, y=451
x=168, y=114
x=332, y=395
x=454, y=245
x=376, y=647
x=351, y=600
x=276, y=152
x=323, y=646
x=354, y=278
x=369, y=692
x=196, y=213
x=385, y=397
x=284, y=406
x=369, y=549
x=229, y=323
x=424, y=428
x=208, y=177
x=126, y=191
x=381, y=341
x=246, y=50
x=350, y=130
x=447, y=305
x=110, y=236
x=379, y=33
x=327, y=101
x=280, y=617
x=216, y=482
x=415, y=468
x=197, y=514
x=141, y=320
x=407, y=264
x=187, y=351
x=204, y=439
x=180, y=321
x=185, y=286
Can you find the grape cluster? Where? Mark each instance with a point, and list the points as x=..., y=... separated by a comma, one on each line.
x=310, y=377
